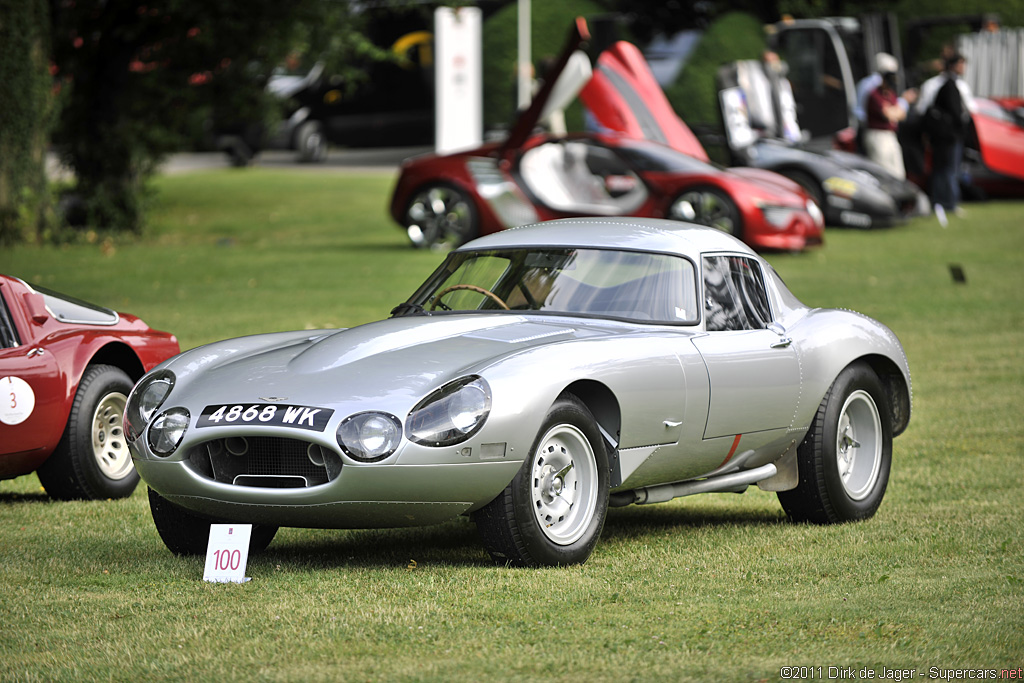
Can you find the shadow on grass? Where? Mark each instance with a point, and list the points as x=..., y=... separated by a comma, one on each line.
x=12, y=497
x=457, y=544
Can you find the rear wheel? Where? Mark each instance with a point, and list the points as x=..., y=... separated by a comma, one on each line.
x=845, y=458
x=311, y=142
x=92, y=460
x=185, y=533
x=708, y=206
x=553, y=511
x=441, y=217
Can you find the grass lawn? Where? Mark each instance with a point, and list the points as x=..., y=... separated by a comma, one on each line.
x=715, y=587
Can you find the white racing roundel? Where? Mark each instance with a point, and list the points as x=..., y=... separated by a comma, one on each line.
x=17, y=400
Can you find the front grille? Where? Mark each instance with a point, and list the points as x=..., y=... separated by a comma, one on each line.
x=266, y=461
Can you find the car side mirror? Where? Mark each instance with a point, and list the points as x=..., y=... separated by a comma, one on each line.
x=36, y=306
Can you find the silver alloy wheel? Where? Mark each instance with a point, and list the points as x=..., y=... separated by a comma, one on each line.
x=440, y=217
x=706, y=208
x=564, y=484
x=109, y=447
x=859, y=445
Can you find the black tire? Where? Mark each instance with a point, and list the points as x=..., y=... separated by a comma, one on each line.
x=311, y=142
x=441, y=216
x=708, y=206
x=92, y=461
x=185, y=533
x=564, y=481
x=810, y=185
x=846, y=456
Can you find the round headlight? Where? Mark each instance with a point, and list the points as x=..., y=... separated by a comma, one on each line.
x=145, y=399
x=369, y=436
x=167, y=430
x=452, y=414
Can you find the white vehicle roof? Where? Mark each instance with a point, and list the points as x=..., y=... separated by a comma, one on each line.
x=641, y=234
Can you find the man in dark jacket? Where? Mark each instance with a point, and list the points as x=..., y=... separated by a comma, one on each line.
x=946, y=121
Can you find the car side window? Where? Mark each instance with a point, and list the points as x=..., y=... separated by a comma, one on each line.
x=735, y=297
x=8, y=335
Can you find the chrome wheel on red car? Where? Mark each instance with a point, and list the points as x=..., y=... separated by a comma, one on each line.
x=707, y=206
x=440, y=217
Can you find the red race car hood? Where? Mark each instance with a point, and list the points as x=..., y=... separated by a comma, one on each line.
x=624, y=97
x=1000, y=138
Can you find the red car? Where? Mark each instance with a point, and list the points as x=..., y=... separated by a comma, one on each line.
x=66, y=369
x=445, y=200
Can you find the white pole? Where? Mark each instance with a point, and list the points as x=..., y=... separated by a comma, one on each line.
x=524, y=65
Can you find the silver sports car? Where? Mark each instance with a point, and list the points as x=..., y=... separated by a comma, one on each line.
x=539, y=376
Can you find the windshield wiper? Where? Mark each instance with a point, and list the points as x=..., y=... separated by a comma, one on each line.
x=406, y=308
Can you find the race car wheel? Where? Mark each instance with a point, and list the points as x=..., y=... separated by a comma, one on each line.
x=553, y=511
x=845, y=458
x=440, y=217
x=708, y=206
x=185, y=533
x=311, y=142
x=92, y=461
x=811, y=186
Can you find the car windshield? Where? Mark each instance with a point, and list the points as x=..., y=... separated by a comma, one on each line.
x=627, y=285
x=68, y=309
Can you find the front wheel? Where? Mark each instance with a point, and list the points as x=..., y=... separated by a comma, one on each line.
x=845, y=458
x=92, y=461
x=553, y=511
x=185, y=533
x=708, y=206
x=441, y=217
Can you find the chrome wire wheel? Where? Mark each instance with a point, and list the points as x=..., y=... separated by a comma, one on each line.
x=564, y=484
x=859, y=445
x=440, y=217
x=109, y=447
x=709, y=207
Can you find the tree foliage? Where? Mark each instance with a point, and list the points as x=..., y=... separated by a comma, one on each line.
x=136, y=73
x=26, y=102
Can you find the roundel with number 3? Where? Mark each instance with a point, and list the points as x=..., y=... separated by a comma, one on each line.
x=17, y=400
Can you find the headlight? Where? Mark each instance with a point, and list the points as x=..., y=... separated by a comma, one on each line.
x=369, y=436
x=167, y=430
x=144, y=401
x=816, y=214
x=451, y=414
x=778, y=216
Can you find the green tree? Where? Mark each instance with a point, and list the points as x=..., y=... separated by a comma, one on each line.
x=136, y=73
x=25, y=104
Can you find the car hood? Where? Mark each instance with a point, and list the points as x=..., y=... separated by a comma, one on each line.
x=400, y=358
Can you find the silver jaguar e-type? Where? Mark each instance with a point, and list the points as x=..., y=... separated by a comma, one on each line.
x=539, y=376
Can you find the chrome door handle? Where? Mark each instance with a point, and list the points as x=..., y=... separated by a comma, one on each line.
x=778, y=329
x=37, y=351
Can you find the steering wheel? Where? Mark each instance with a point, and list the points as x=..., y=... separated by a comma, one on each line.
x=472, y=288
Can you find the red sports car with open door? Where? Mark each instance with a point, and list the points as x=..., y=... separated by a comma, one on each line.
x=531, y=176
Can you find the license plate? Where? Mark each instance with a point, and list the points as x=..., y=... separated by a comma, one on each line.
x=267, y=415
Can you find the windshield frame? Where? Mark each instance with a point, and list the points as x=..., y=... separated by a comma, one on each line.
x=420, y=301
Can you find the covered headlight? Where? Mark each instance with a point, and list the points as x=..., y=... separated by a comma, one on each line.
x=167, y=430
x=450, y=415
x=143, y=402
x=369, y=436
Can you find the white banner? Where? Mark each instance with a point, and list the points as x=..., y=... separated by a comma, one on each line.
x=458, y=78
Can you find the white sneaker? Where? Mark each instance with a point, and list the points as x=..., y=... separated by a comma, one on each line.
x=940, y=213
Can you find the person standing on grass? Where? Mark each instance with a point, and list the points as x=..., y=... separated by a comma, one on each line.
x=946, y=104
x=883, y=114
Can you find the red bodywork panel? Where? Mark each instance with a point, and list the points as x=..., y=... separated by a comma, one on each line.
x=624, y=97
x=51, y=358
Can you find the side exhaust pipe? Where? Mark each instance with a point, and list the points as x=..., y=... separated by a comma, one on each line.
x=737, y=482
